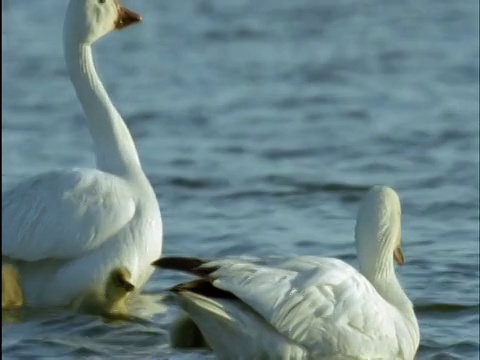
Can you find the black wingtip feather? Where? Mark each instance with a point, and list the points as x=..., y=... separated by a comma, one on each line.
x=203, y=287
x=178, y=263
x=185, y=264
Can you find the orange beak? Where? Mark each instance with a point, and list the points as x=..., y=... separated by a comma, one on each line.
x=398, y=256
x=126, y=18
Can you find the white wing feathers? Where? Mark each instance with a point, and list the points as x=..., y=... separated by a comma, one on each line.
x=221, y=321
x=63, y=214
x=322, y=304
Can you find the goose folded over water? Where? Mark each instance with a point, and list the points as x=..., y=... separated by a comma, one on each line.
x=308, y=307
x=65, y=228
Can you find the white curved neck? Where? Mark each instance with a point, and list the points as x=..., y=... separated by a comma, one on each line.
x=381, y=275
x=114, y=147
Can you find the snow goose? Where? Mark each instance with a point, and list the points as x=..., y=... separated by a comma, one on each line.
x=65, y=229
x=308, y=307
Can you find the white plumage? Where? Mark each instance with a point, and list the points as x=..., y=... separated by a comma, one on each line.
x=309, y=307
x=66, y=229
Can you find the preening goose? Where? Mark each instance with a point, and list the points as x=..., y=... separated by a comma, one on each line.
x=65, y=229
x=308, y=307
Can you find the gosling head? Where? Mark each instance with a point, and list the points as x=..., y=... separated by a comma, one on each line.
x=118, y=284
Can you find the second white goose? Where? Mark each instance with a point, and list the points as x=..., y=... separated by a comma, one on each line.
x=308, y=307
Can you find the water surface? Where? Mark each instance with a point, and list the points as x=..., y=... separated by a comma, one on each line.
x=261, y=125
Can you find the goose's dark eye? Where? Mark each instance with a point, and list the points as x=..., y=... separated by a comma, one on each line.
x=101, y=1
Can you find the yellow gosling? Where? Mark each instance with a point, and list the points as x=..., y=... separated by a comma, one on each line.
x=110, y=301
x=12, y=294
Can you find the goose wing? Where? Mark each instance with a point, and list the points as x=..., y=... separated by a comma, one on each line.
x=63, y=214
x=321, y=304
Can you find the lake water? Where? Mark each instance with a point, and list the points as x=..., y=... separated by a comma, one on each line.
x=261, y=124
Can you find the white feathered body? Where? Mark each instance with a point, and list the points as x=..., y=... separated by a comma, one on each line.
x=305, y=308
x=66, y=229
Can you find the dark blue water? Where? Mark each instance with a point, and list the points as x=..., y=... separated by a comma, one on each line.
x=260, y=125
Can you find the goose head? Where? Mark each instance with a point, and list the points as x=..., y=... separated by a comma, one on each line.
x=88, y=20
x=378, y=232
x=118, y=284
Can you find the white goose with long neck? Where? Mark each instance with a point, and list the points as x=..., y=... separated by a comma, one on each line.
x=307, y=307
x=66, y=229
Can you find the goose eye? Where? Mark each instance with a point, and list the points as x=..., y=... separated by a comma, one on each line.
x=101, y=1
